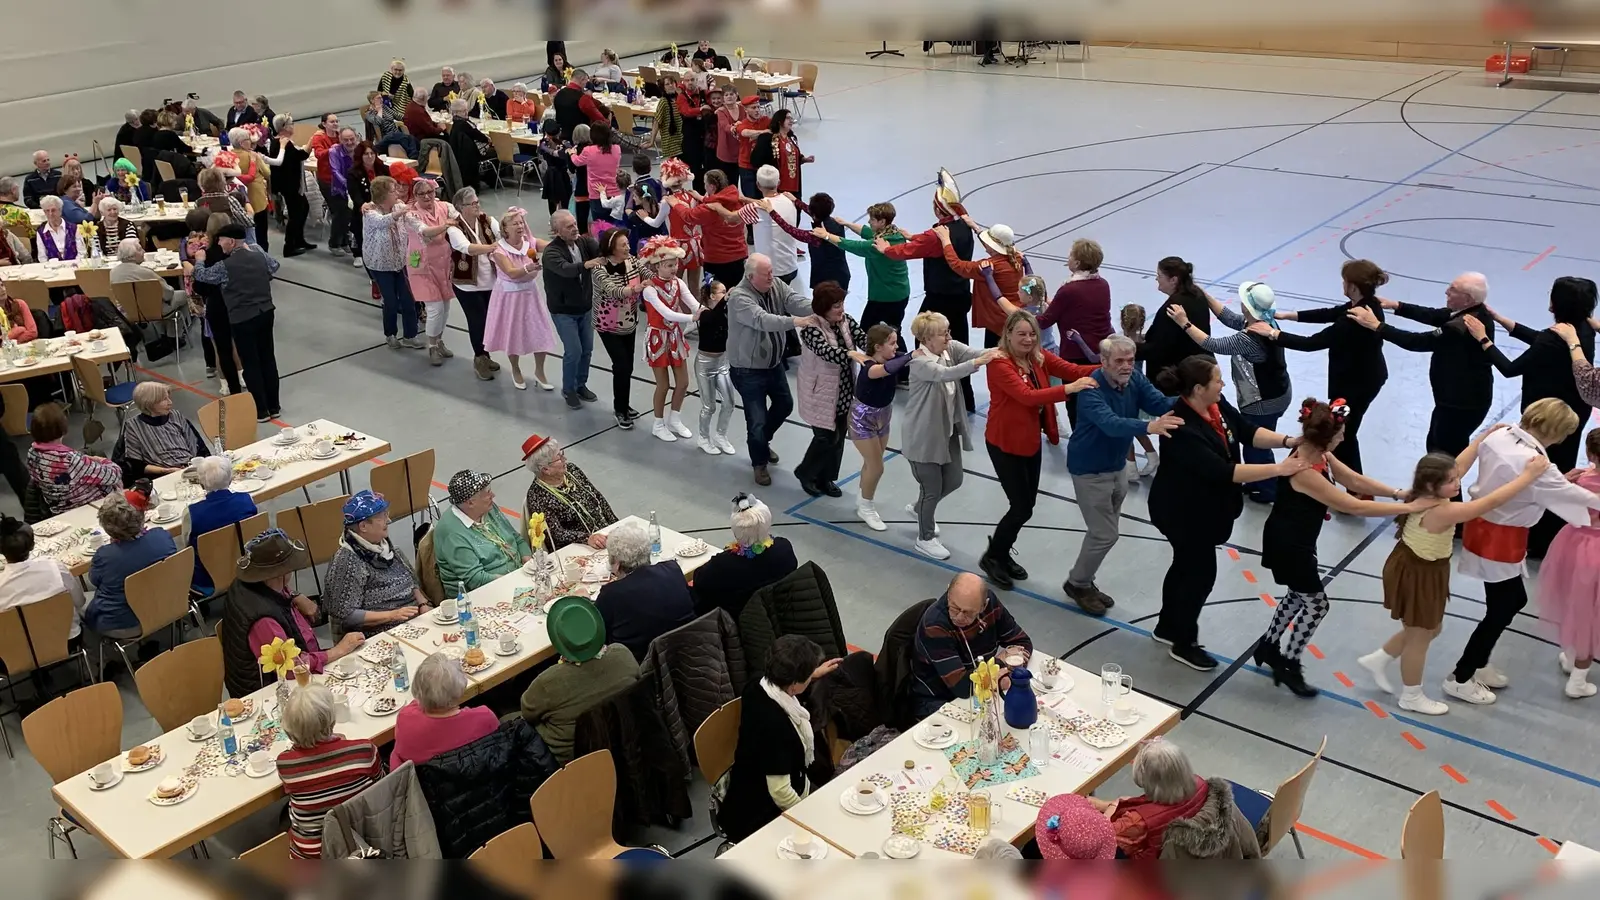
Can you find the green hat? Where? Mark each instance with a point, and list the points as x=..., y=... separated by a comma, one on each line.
x=576, y=629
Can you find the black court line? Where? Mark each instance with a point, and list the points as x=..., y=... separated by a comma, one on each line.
x=1406, y=120
x=1453, y=188
x=333, y=360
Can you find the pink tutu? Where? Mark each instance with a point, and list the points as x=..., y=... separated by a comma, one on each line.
x=1569, y=590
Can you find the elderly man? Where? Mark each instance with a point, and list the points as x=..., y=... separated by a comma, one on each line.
x=569, y=262
x=42, y=181
x=241, y=113
x=1108, y=421
x=205, y=121
x=762, y=312
x=475, y=543
x=590, y=673
x=771, y=240
x=57, y=238
x=964, y=626
x=244, y=275
x=220, y=507
x=14, y=217
x=439, y=95
x=129, y=135
x=575, y=107
x=644, y=601
x=341, y=158
x=130, y=267
x=493, y=98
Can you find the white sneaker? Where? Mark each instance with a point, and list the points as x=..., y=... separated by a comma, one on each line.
x=1377, y=662
x=661, y=431
x=1422, y=703
x=356, y=261
x=725, y=445
x=868, y=514
x=912, y=509
x=678, y=428
x=1566, y=663
x=1152, y=461
x=932, y=548
x=1471, y=691
x=710, y=448
x=1490, y=677
x=222, y=390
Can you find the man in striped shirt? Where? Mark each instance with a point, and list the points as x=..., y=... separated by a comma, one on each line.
x=964, y=626
x=321, y=770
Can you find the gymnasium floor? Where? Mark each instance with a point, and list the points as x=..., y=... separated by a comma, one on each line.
x=1252, y=168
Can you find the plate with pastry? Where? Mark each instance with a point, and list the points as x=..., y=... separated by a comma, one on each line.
x=142, y=758
x=381, y=706
x=172, y=791
x=239, y=710
x=693, y=548
x=475, y=661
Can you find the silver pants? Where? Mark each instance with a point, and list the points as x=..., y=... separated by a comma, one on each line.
x=711, y=375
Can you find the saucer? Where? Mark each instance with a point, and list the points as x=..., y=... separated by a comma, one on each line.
x=848, y=801
x=254, y=774
x=923, y=740
x=819, y=850
x=157, y=756
x=371, y=710
x=514, y=652
x=332, y=452
x=168, y=520
x=188, y=791
x=1130, y=720
x=248, y=485
x=440, y=620
x=286, y=443
x=1063, y=684
x=899, y=846
x=199, y=739
x=116, y=779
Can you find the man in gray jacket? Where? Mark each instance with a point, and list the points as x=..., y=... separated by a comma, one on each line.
x=761, y=312
x=569, y=261
x=245, y=277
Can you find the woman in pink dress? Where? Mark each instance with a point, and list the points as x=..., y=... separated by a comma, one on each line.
x=428, y=260
x=519, y=322
x=1569, y=584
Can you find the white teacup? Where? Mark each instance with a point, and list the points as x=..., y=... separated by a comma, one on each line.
x=1123, y=713
x=95, y=540
x=938, y=729
x=573, y=573
x=1047, y=681
x=322, y=447
x=261, y=761
x=447, y=609
x=167, y=511
x=70, y=335
x=201, y=726
x=103, y=774
x=97, y=346
x=341, y=709
x=508, y=643
x=286, y=433
x=800, y=842
x=867, y=796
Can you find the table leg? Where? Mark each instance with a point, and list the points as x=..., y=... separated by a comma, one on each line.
x=344, y=481
x=1506, y=75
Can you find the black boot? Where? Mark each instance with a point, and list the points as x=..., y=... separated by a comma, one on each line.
x=999, y=576
x=1267, y=654
x=1293, y=677
x=1014, y=568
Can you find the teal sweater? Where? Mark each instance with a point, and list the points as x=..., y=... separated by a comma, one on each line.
x=467, y=556
x=887, y=279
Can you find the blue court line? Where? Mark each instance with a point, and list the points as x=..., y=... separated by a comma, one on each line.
x=843, y=481
x=1381, y=191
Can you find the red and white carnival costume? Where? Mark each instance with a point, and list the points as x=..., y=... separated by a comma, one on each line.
x=680, y=201
x=669, y=306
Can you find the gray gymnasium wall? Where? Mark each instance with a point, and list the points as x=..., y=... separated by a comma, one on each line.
x=67, y=77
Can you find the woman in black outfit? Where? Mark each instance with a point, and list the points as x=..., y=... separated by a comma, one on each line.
x=557, y=185
x=1195, y=497
x=1166, y=343
x=1546, y=370
x=366, y=167
x=1356, y=367
x=216, y=310
x=776, y=763
x=1289, y=540
x=288, y=181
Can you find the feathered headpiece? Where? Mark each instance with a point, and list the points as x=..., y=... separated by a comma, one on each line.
x=659, y=249
x=675, y=173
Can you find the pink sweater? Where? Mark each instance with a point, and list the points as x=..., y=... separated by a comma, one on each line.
x=420, y=737
x=602, y=166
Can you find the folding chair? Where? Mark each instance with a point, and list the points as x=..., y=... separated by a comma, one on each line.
x=182, y=683
x=33, y=293
x=233, y=418
x=806, y=93
x=1281, y=809
x=319, y=526
x=158, y=594
x=72, y=734
x=507, y=154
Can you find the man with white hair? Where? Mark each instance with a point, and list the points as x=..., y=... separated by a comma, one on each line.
x=771, y=240
x=241, y=113
x=1461, y=373
x=130, y=267
x=645, y=601
x=493, y=98
x=438, y=97
x=1108, y=421
x=762, y=312
x=205, y=121
x=42, y=181
x=14, y=217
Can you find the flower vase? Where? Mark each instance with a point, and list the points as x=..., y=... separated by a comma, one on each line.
x=989, y=730
x=541, y=567
x=285, y=687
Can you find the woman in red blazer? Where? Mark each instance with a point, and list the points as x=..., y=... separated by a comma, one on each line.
x=1021, y=408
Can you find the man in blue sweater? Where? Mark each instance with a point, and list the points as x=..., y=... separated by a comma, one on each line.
x=1108, y=421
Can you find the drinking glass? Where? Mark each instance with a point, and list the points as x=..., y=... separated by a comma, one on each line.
x=1110, y=682
x=1039, y=743
x=978, y=809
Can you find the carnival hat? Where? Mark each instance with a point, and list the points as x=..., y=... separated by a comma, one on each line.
x=363, y=506
x=576, y=629
x=947, y=195
x=675, y=172
x=1069, y=827
x=999, y=239
x=659, y=249
x=1258, y=300
x=270, y=554
x=532, y=444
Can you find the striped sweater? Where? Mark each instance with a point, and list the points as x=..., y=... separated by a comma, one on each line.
x=67, y=478
x=318, y=779
x=943, y=655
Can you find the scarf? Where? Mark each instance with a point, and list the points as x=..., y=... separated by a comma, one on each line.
x=1214, y=417
x=798, y=715
x=362, y=546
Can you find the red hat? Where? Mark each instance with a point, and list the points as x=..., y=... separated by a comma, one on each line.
x=1069, y=827
x=137, y=499
x=752, y=100
x=534, y=442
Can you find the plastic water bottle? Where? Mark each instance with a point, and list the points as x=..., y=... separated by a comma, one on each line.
x=469, y=627
x=216, y=446
x=397, y=667
x=655, y=537
x=463, y=604
x=225, y=735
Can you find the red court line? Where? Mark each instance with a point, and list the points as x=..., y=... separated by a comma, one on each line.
x=1315, y=652
x=1233, y=554
x=1249, y=576
x=1267, y=599
x=1375, y=709
x=1550, y=845
x=1344, y=679
x=1341, y=843
x=1412, y=740
x=1504, y=813
x=1454, y=775
x=190, y=388
x=1540, y=258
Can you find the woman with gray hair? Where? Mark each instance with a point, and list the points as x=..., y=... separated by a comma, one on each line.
x=1180, y=815
x=130, y=549
x=645, y=601
x=287, y=161
x=472, y=238
x=434, y=722
x=371, y=585
x=754, y=560
x=321, y=769
x=219, y=508
x=114, y=229
x=470, y=145
x=160, y=439
x=574, y=510
x=57, y=238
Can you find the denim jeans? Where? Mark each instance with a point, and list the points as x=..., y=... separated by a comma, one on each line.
x=396, y=293
x=756, y=387
x=406, y=142
x=577, y=345
x=1264, y=491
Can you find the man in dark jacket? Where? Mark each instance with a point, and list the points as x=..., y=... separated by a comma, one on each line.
x=245, y=277
x=438, y=96
x=574, y=106
x=42, y=181
x=569, y=261
x=964, y=626
x=468, y=144
x=241, y=112
x=646, y=601
x=493, y=98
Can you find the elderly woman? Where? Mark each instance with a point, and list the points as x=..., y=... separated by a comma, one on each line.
x=470, y=145
x=321, y=769
x=395, y=86
x=264, y=113
x=255, y=175
x=114, y=229
x=57, y=238
x=935, y=431
x=475, y=542
x=644, y=601
x=67, y=478
x=215, y=196
x=754, y=560
x=522, y=107
x=776, y=763
x=371, y=585
x=385, y=258
x=160, y=439
x=574, y=510
x=130, y=549
x=287, y=160
x=425, y=223
x=434, y=722
x=472, y=239
x=219, y=508
x=826, y=386
x=384, y=128
x=1180, y=815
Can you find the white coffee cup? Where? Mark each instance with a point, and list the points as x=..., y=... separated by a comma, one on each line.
x=95, y=540
x=1123, y=713
x=200, y=726
x=97, y=346
x=1047, y=681
x=322, y=446
x=167, y=511
x=70, y=335
x=508, y=643
x=447, y=609
x=261, y=761
x=938, y=728
x=867, y=796
x=286, y=433
x=103, y=773
x=341, y=709
x=800, y=842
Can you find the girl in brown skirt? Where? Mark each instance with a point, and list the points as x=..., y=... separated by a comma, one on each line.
x=1416, y=578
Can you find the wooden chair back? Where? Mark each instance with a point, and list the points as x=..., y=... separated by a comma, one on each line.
x=49, y=625
x=1422, y=836
x=96, y=282
x=507, y=859
x=1289, y=800
x=722, y=81
x=164, y=170
x=221, y=548
x=303, y=132
x=405, y=483
x=505, y=147
x=15, y=651
x=159, y=593
x=140, y=300
x=182, y=683
x=233, y=417
x=33, y=293
x=266, y=860
x=715, y=739
x=808, y=77
x=171, y=243
x=319, y=525
x=134, y=155
x=89, y=380
x=428, y=570
x=15, y=420
x=76, y=732
x=434, y=167
x=396, y=151
x=625, y=122
x=573, y=808
x=746, y=87
x=780, y=67
x=650, y=74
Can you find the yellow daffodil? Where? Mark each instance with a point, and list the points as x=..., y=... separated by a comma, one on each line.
x=739, y=52
x=277, y=658
x=985, y=679
x=536, y=529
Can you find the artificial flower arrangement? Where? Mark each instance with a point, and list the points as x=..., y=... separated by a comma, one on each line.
x=537, y=529
x=89, y=230
x=985, y=680
x=277, y=658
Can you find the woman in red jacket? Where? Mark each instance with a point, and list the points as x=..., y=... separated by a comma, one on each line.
x=1021, y=408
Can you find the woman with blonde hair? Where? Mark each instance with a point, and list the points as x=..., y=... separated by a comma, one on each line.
x=519, y=322
x=427, y=220
x=384, y=257
x=160, y=439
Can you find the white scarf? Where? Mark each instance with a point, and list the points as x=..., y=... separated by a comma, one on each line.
x=798, y=715
x=385, y=551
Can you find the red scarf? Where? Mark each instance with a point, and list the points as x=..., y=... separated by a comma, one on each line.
x=1214, y=416
x=1155, y=817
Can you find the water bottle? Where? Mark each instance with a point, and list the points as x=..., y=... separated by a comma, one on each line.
x=225, y=735
x=655, y=537
x=397, y=667
x=216, y=446
x=469, y=627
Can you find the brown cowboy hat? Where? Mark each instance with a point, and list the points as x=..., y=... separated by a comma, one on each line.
x=270, y=554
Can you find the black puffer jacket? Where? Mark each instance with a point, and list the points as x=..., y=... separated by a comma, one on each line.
x=652, y=781
x=479, y=790
x=802, y=603
x=694, y=669
x=894, y=666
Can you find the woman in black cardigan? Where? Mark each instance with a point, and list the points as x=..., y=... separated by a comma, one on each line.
x=1356, y=367
x=1546, y=370
x=777, y=761
x=1196, y=496
x=754, y=560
